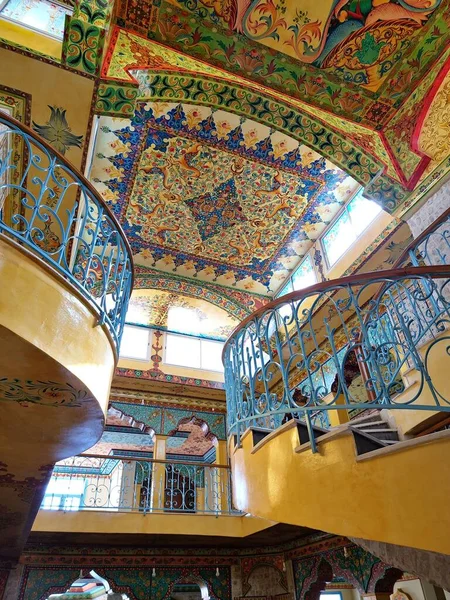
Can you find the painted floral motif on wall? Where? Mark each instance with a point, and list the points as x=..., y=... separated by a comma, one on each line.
x=357, y=39
x=44, y=393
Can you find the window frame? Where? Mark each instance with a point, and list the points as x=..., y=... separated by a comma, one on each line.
x=333, y=222
x=329, y=592
x=4, y=3
x=62, y=499
x=149, y=343
x=200, y=340
x=290, y=278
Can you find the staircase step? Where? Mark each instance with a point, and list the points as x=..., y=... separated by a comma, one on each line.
x=382, y=434
x=303, y=433
x=367, y=425
x=367, y=419
x=365, y=442
x=258, y=434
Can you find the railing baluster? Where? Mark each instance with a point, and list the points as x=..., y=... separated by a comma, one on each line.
x=72, y=228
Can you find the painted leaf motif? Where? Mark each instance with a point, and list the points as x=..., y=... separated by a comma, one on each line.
x=370, y=50
x=57, y=131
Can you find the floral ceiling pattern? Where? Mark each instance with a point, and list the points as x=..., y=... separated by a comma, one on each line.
x=302, y=47
x=151, y=307
x=209, y=195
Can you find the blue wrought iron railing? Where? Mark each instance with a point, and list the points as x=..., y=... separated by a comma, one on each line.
x=431, y=247
x=130, y=484
x=374, y=326
x=48, y=207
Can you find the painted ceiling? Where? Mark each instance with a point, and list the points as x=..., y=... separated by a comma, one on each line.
x=210, y=195
x=282, y=43
x=151, y=307
x=188, y=439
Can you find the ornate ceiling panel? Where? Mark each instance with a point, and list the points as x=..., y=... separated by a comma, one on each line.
x=151, y=308
x=316, y=51
x=210, y=195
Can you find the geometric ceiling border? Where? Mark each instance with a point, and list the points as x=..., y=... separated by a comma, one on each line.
x=191, y=34
x=343, y=150
x=236, y=303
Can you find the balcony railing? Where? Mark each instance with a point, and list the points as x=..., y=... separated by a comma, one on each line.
x=130, y=484
x=49, y=208
x=299, y=355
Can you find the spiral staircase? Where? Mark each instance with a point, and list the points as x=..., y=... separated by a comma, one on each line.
x=66, y=271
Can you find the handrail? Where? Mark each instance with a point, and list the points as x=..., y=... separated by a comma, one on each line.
x=421, y=237
x=435, y=271
x=139, y=484
x=57, y=213
x=156, y=460
x=381, y=318
x=77, y=175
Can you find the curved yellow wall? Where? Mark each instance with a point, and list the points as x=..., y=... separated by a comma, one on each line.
x=399, y=497
x=39, y=308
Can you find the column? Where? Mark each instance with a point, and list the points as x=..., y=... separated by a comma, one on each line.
x=129, y=500
x=158, y=474
x=339, y=416
x=10, y=579
x=223, y=478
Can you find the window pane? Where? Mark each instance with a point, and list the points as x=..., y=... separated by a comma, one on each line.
x=72, y=502
x=135, y=343
x=185, y=320
x=182, y=351
x=286, y=289
x=212, y=355
x=331, y=596
x=338, y=239
x=37, y=14
x=362, y=213
x=51, y=502
x=304, y=275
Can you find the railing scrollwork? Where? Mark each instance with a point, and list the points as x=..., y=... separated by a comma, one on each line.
x=48, y=207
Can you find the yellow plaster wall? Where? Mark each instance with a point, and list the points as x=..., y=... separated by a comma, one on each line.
x=23, y=36
x=51, y=85
x=114, y=522
x=387, y=498
x=56, y=321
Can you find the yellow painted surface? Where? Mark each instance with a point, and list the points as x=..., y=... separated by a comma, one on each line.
x=392, y=498
x=38, y=308
x=32, y=40
x=51, y=85
x=437, y=364
x=114, y=522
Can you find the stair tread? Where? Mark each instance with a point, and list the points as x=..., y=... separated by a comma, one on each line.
x=369, y=423
x=384, y=430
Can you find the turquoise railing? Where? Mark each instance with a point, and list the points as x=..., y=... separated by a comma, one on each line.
x=131, y=484
x=380, y=325
x=48, y=207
